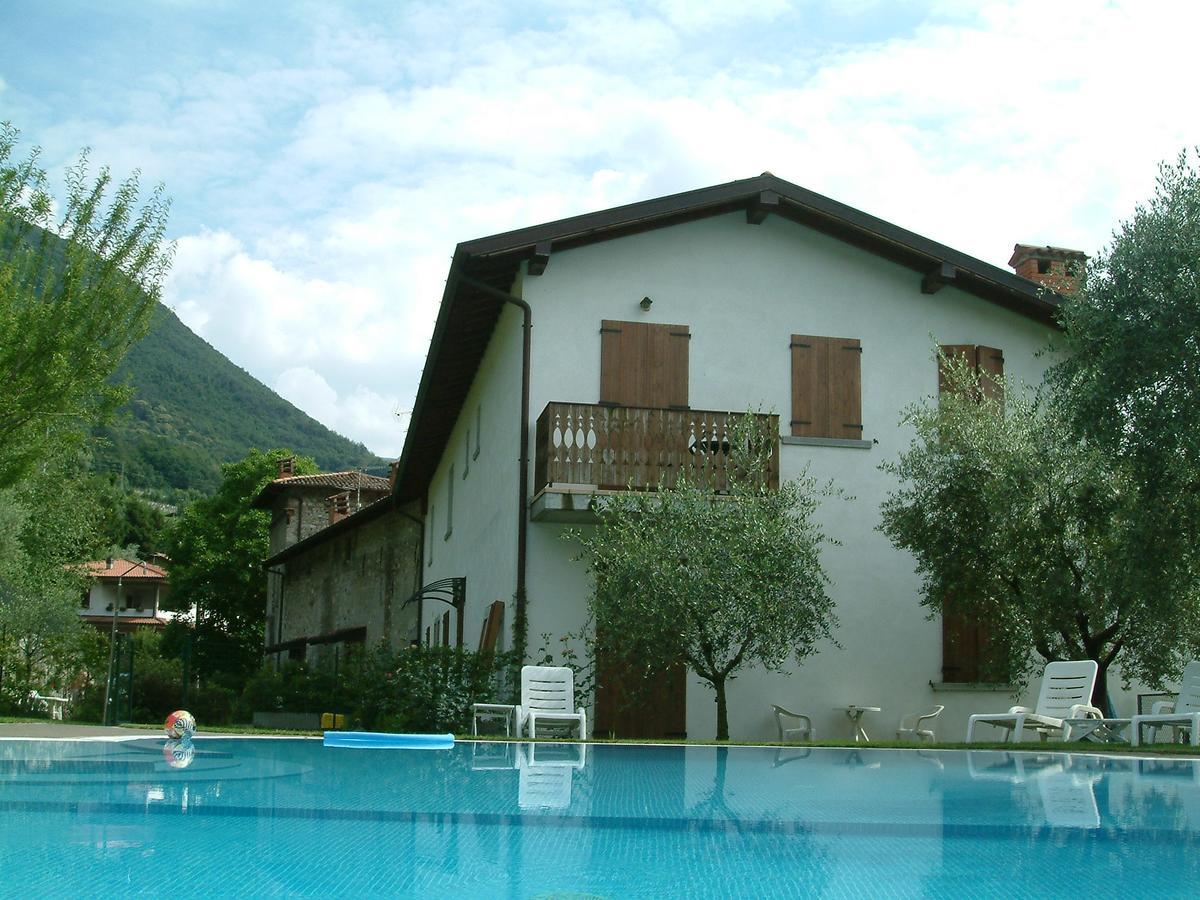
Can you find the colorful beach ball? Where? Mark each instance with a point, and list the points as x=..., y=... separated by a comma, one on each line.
x=180, y=724
x=179, y=754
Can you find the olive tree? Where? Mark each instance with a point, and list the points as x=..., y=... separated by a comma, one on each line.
x=1130, y=379
x=79, y=282
x=1020, y=523
x=720, y=582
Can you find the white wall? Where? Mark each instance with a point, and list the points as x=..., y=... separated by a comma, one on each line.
x=482, y=545
x=744, y=290
x=102, y=594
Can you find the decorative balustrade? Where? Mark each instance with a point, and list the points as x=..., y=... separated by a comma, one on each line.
x=620, y=447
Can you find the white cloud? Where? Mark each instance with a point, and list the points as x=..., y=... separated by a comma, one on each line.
x=336, y=176
x=369, y=416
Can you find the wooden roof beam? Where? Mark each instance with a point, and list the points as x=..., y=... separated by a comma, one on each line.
x=761, y=206
x=540, y=258
x=941, y=274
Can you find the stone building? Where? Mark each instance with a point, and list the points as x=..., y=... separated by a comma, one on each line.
x=342, y=562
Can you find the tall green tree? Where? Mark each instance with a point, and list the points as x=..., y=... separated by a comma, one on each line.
x=1130, y=379
x=217, y=548
x=719, y=582
x=47, y=525
x=78, y=285
x=1017, y=522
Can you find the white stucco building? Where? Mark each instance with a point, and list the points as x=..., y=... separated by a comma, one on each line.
x=756, y=294
x=129, y=591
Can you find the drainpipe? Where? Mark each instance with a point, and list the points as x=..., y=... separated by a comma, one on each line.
x=520, y=620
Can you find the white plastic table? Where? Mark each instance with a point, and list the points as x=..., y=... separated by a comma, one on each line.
x=482, y=711
x=854, y=713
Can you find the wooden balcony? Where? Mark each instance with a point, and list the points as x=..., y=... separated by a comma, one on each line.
x=585, y=449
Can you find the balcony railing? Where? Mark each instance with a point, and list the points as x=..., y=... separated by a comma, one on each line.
x=619, y=447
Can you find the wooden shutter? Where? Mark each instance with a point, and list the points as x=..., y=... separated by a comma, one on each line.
x=826, y=387
x=953, y=352
x=644, y=365
x=491, y=627
x=986, y=362
x=965, y=641
x=845, y=389
x=962, y=641
x=989, y=363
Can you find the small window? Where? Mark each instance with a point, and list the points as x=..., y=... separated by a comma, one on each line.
x=467, y=454
x=478, y=428
x=1043, y=266
x=429, y=543
x=449, y=505
x=826, y=387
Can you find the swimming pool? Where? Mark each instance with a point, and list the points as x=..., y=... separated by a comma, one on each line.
x=290, y=817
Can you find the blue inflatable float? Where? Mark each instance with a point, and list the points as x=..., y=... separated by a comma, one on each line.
x=377, y=740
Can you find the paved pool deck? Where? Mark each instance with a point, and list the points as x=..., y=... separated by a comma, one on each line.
x=67, y=730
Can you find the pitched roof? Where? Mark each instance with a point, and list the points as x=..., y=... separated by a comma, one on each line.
x=334, y=481
x=468, y=312
x=124, y=569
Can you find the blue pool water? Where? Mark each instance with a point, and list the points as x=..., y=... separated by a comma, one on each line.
x=290, y=817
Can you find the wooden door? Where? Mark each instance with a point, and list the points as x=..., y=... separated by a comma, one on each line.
x=627, y=707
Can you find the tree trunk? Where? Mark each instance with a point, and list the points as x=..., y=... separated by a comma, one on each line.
x=718, y=684
x=1100, y=691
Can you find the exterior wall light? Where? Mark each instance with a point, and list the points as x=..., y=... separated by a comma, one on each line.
x=645, y=304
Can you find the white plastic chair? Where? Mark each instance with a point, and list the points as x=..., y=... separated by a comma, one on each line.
x=801, y=732
x=548, y=695
x=1184, y=713
x=1066, y=693
x=910, y=726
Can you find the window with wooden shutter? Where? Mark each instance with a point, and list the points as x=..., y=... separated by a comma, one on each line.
x=644, y=365
x=987, y=363
x=965, y=655
x=826, y=387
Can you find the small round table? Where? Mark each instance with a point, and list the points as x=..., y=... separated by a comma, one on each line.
x=854, y=713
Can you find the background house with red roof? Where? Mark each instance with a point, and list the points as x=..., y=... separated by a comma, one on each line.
x=131, y=589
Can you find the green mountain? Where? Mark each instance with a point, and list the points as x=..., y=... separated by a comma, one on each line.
x=192, y=409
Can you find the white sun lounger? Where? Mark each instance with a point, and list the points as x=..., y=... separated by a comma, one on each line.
x=1066, y=694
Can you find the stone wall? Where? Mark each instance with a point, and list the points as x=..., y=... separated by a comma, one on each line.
x=356, y=579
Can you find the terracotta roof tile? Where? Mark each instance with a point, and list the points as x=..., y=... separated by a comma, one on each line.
x=123, y=568
x=333, y=481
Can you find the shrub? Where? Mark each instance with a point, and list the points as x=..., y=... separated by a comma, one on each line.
x=424, y=689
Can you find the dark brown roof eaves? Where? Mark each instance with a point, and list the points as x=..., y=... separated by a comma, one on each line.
x=467, y=316
x=801, y=204
x=352, y=521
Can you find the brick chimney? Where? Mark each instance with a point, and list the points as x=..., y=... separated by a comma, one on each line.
x=339, y=507
x=1056, y=267
x=287, y=467
x=393, y=471
x=108, y=563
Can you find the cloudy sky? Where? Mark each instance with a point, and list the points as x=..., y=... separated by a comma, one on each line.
x=324, y=158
